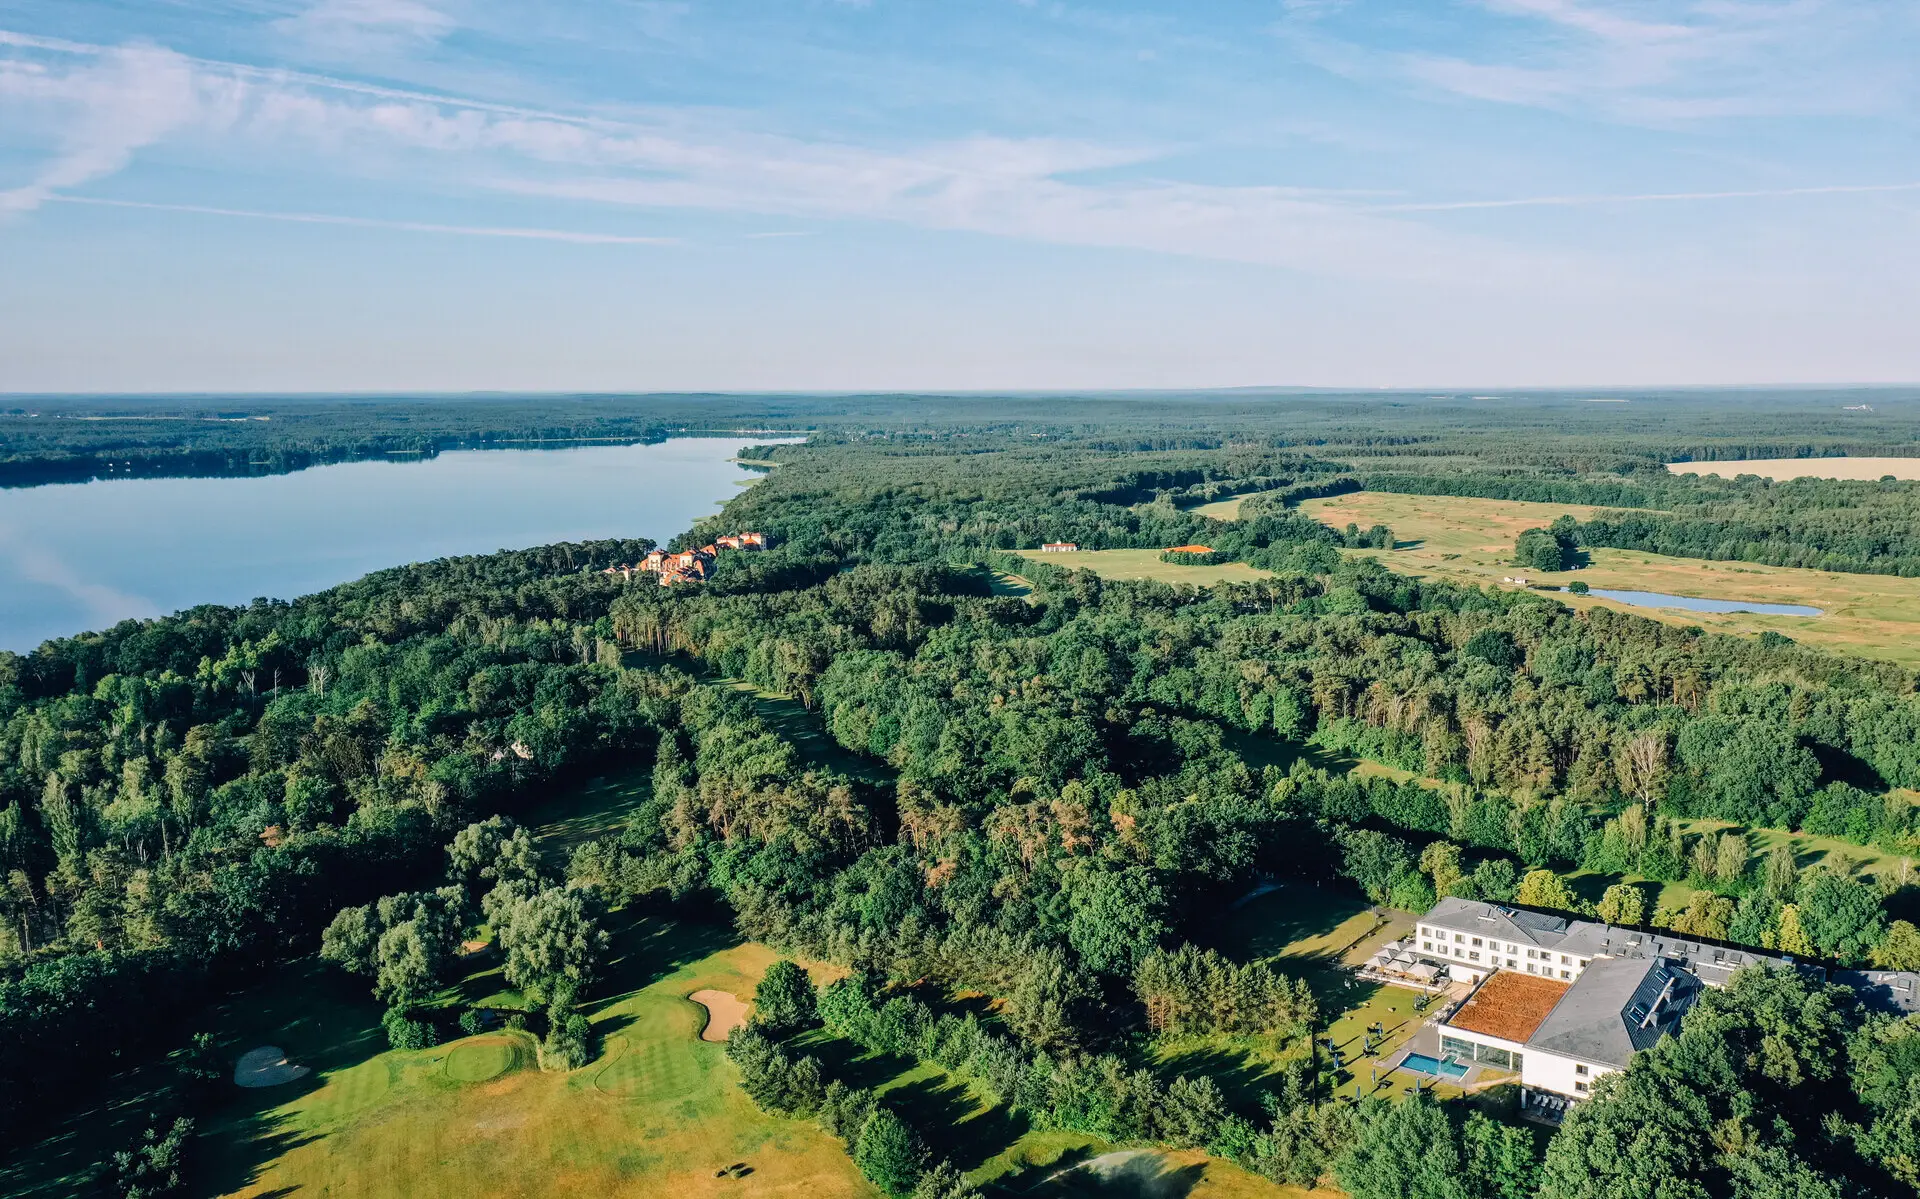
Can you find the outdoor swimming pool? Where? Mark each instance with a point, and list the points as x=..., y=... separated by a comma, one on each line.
x=1421, y=1063
x=1659, y=599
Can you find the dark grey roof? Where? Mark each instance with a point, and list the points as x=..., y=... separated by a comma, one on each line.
x=1617, y=1006
x=1888, y=990
x=1590, y=939
x=1496, y=920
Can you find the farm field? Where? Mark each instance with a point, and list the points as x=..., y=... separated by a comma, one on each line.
x=1146, y=564
x=1471, y=541
x=1804, y=468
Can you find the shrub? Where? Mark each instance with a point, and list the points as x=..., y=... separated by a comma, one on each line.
x=405, y=1032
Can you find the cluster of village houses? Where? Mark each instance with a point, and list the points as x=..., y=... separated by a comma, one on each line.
x=1562, y=1002
x=688, y=566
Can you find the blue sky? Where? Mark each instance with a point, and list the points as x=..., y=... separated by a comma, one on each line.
x=644, y=194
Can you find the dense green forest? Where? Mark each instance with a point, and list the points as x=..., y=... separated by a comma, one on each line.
x=1077, y=780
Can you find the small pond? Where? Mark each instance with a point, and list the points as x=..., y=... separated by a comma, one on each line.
x=1659, y=599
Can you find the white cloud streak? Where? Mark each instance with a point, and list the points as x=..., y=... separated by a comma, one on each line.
x=575, y=237
x=1018, y=188
x=1654, y=62
x=126, y=99
x=1837, y=189
x=356, y=28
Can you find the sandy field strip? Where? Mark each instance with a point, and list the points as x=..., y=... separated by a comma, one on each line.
x=1804, y=468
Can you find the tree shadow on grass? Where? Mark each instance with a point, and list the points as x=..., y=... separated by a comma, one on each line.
x=326, y=1022
x=1135, y=1174
x=647, y=947
x=848, y=1062
x=949, y=1117
x=1243, y=1076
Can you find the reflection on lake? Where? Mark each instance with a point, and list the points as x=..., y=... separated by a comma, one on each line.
x=77, y=556
x=1659, y=599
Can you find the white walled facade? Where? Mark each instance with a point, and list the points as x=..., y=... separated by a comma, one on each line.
x=1473, y=956
x=1568, y=1077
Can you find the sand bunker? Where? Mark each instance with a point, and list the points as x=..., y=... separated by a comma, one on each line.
x=266, y=1066
x=725, y=1012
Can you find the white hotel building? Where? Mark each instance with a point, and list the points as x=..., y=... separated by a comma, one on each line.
x=1559, y=1002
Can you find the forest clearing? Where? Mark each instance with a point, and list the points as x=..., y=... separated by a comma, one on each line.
x=1146, y=564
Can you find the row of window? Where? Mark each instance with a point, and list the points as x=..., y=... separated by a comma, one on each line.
x=1473, y=955
x=1462, y=940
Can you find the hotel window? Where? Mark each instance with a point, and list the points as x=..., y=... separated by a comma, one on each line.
x=1580, y=1087
x=1532, y=969
x=1530, y=953
x=1564, y=959
x=1476, y=942
x=1427, y=946
x=1473, y=957
x=1580, y=1068
x=1566, y=974
x=1458, y=938
x=1512, y=965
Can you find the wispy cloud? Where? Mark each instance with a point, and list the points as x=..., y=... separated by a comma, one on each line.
x=1029, y=188
x=576, y=237
x=1837, y=189
x=119, y=101
x=1658, y=62
x=363, y=27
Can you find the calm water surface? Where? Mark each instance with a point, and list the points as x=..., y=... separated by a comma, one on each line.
x=1659, y=599
x=78, y=556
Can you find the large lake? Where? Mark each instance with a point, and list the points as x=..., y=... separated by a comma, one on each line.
x=79, y=556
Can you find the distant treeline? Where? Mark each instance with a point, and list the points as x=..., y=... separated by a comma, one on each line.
x=64, y=438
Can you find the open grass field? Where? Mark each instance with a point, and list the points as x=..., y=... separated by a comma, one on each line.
x=1146, y=564
x=1804, y=468
x=1471, y=541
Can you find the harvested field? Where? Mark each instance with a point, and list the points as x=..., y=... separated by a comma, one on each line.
x=725, y=1012
x=1509, y=1006
x=1804, y=468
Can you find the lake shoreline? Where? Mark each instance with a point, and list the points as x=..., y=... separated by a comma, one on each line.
x=85, y=555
